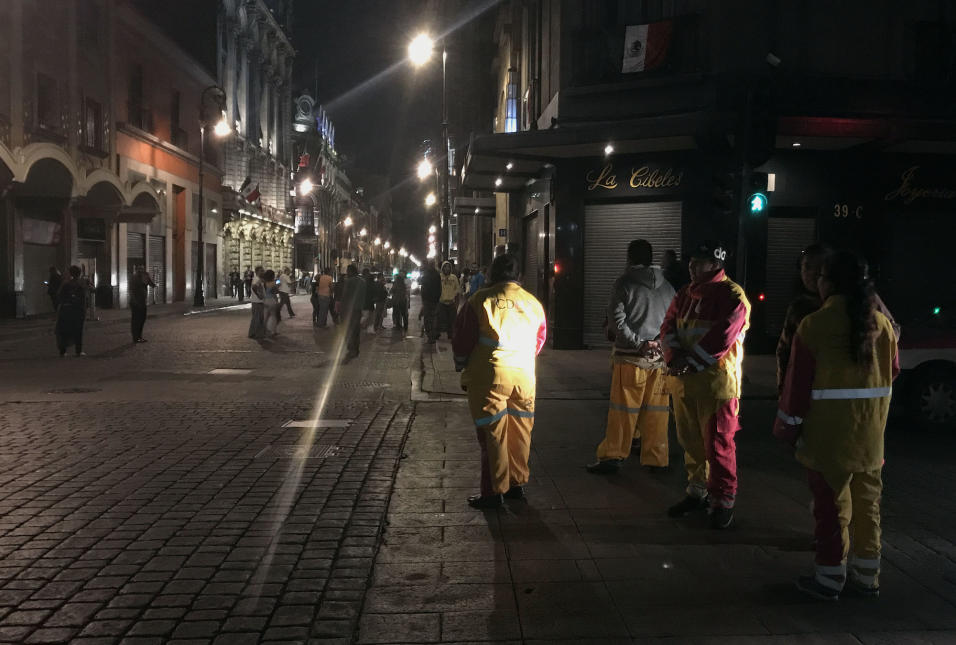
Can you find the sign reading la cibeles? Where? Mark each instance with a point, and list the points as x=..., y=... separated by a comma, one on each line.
x=625, y=179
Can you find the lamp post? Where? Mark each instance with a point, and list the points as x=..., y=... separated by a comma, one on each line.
x=419, y=52
x=221, y=129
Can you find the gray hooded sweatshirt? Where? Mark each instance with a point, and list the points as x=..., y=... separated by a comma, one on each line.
x=639, y=301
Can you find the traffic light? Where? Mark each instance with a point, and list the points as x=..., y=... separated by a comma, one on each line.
x=725, y=185
x=757, y=202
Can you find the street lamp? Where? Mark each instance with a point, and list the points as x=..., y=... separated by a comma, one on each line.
x=220, y=129
x=363, y=232
x=430, y=200
x=419, y=53
x=432, y=229
x=425, y=169
x=305, y=187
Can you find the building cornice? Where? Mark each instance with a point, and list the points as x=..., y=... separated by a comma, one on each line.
x=153, y=140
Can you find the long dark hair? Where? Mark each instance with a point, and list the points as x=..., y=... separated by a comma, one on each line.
x=847, y=273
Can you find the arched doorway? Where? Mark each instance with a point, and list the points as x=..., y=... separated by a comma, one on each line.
x=97, y=251
x=42, y=228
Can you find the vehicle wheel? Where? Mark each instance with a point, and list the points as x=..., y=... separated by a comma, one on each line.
x=932, y=398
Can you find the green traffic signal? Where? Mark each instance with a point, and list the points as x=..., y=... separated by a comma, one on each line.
x=758, y=203
x=937, y=310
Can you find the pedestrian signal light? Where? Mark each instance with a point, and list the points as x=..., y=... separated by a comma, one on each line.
x=937, y=310
x=761, y=297
x=758, y=203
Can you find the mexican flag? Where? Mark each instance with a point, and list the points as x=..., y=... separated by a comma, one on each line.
x=645, y=46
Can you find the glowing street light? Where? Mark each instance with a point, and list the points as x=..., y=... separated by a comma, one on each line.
x=425, y=169
x=222, y=129
x=402, y=252
x=305, y=187
x=430, y=200
x=420, y=49
x=363, y=232
x=387, y=245
x=431, y=239
x=378, y=241
x=347, y=221
x=432, y=229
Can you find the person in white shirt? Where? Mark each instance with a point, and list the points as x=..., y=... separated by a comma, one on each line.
x=285, y=289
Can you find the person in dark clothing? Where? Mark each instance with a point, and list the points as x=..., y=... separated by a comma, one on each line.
x=236, y=282
x=53, y=284
x=139, y=284
x=368, y=306
x=431, y=295
x=400, y=303
x=71, y=313
x=248, y=277
x=353, y=300
x=675, y=271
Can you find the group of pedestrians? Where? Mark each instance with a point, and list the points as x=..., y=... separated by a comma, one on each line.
x=442, y=294
x=269, y=292
x=683, y=351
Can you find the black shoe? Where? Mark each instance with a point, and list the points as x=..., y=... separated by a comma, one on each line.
x=687, y=505
x=485, y=501
x=810, y=586
x=141, y=340
x=721, y=518
x=515, y=492
x=857, y=588
x=605, y=466
x=656, y=470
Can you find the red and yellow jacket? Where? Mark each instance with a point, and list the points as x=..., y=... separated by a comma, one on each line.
x=705, y=325
x=834, y=408
x=498, y=334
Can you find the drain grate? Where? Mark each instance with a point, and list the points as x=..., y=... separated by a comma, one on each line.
x=306, y=452
x=361, y=384
x=74, y=390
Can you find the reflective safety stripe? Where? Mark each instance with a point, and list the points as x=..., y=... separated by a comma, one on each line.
x=697, y=366
x=623, y=408
x=868, y=580
x=831, y=570
x=707, y=358
x=794, y=421
x=830, y=577
x=484, y=421
x=852, y=393
x=865, y=563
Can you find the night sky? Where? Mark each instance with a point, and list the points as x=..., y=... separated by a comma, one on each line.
x=354, y=54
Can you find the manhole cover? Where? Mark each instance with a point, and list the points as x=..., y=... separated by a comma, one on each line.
x=306, y=452
x=73, y=390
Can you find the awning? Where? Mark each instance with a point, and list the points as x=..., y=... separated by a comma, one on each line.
x=481, y=206
x=508, y=162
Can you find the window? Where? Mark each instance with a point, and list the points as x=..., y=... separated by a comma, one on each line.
x=47, y=116
x=177, y=135
x=92, y=120
x=511, y=102
x=138, y=114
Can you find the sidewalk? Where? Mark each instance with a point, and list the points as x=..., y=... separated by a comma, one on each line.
x=591, y=559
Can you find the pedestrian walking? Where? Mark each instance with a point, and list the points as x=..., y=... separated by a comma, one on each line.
x=353, y=302
x=71, y=312
x=478, y=280
x=323, y=293
x=431, y=295
x=283, y=291
x=833, y=411
x=235, y=281
x=638, y=410
x=400, y=303
x=139, y=284
x=53, y=283
x=249, y=276
x=448, y=300
x=465, y=280
x=270, y=303
x=703, y=344
x=257, y=291
x=498, y=335
x=379, y=298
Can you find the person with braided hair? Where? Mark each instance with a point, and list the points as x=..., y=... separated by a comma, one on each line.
x=833, y=411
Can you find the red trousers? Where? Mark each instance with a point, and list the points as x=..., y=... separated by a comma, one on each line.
x=706, y=429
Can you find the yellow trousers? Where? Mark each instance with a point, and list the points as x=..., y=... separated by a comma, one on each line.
x=638, y=408
x=504, y=417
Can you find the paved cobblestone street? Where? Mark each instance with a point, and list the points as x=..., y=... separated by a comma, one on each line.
x=206, y=488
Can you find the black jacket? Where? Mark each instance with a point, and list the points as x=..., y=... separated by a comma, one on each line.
x=431, y=286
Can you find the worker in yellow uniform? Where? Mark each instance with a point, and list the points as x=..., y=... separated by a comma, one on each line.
x=703, y=343
x=833, y=410
x=498, y=335
x=639, y=408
